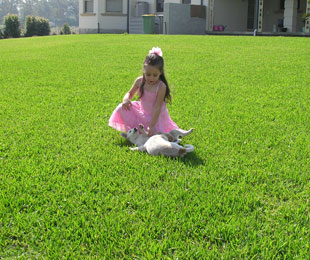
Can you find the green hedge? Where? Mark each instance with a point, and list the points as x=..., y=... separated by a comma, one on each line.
x=11, y=25
x=38, y=26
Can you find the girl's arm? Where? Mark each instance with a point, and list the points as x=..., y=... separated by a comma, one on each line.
x=158, y=105
x=130, y=94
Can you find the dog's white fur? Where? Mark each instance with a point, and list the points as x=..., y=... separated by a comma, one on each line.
x=160, y=144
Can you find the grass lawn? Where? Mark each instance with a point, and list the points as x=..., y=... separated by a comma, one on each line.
x=70, y=187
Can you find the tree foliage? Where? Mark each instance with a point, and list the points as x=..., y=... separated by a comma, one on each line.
x=56, y=11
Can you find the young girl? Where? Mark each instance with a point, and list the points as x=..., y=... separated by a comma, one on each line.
x=153, y=92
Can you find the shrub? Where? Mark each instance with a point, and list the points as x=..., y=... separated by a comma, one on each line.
x=43, y=26
x=37, y=26
x=1, y=34
x=11, y=26
x=66, y=29
x=30, y=26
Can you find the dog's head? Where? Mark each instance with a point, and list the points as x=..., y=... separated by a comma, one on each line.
x=132, y=135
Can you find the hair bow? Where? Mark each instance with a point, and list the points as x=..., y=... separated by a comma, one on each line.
x=157, y=51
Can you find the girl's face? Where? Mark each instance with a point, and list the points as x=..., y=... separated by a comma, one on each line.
x=151, y=74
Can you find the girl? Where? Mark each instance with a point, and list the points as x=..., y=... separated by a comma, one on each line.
x=153, y=92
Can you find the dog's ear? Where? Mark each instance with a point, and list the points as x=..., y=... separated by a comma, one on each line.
x=170, y=138
x=124, y=135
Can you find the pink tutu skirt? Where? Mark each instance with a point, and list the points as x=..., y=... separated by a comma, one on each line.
x=141, y=113
x=123, y=120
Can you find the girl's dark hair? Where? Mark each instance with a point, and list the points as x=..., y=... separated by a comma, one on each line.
x=156, y=61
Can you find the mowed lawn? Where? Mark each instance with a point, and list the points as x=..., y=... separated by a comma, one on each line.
x=70, y=188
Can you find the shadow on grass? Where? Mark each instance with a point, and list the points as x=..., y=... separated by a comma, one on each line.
x=123, y=142
x=191, y=159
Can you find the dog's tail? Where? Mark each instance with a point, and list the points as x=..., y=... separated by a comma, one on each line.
x=176, y=133
x=189, y=148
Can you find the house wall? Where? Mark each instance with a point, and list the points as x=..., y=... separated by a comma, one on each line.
x=88, y=24
x=112, y=22
x=193, y=2
x=102, y=6
x=151, y=6
x=87, y=21
x=108, y=22
x=184, y=19
x=173, y=1
x=231, y=13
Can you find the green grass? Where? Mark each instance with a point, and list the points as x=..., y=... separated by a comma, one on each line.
x=70, y=187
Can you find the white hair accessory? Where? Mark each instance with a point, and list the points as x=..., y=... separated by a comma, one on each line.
x=157, y=51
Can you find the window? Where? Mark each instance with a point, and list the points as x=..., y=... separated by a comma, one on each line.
x=159, y=5
x=251, y=14
x=114, y=6
x=89, y=6
x=186, y=2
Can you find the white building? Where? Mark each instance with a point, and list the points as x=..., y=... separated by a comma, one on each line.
x=241, y=16
x=268, y=16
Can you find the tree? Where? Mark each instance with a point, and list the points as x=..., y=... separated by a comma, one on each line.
x=57, y=11
x=8, y=7
x=65, y=11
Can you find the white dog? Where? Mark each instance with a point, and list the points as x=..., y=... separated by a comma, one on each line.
x=165, y=144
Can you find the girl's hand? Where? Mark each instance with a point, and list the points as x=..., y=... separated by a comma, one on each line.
x=151, y=131
x=126, y=105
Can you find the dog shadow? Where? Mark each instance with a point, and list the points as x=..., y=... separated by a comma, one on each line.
x=122, y=142
x=191, y=159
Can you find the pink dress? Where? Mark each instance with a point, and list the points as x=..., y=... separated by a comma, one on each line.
x=141, y=113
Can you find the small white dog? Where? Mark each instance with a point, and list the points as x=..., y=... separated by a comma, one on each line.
x=165, y=144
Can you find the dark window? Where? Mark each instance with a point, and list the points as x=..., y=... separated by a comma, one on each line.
x=159, y=5
x=114, y=6
x=251, y=14
x=186, y=2
x=89, y=6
